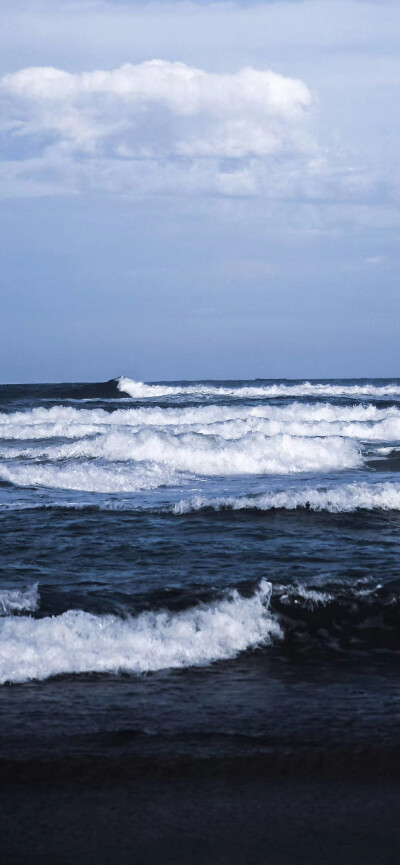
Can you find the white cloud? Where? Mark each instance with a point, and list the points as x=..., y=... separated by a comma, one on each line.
x=160, y=106
x=187, y=126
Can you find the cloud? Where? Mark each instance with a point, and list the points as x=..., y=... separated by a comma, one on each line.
x=161, y=124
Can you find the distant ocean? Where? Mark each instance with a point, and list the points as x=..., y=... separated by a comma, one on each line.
x=200, y=571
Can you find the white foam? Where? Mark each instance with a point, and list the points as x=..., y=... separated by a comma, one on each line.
x=137, y=449
x=89, y=477
x=197, y=454
x=60, y=417
x=79, y=642
x=18, y=601
x=339, y=499
x=365, y=422
x=139, y=390
x=299, y=594
x=387, y=451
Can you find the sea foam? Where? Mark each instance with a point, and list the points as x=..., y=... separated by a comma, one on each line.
x=365, y=422
x=19, y=601
x=140, y=390
x=133, y=449
x=80, y=642
x=339, y=499
x=89, y=477
x=157, y=458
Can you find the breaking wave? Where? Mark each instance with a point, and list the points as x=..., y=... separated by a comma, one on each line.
x=365, y=422
x=17, y=601
x=158, y=458
x=140, y=390
x=133, y=449
x=80, y=642
x=89, y=477
x=341, y=499
x=292, y=619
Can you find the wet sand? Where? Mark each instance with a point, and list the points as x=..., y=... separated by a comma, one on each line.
x=292, y=810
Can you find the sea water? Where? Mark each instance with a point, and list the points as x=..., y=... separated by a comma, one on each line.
x=198, y=565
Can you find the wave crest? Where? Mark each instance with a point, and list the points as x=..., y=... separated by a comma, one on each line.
x=80, y=642
x=341, y=499
x=363, y=422
x=19, y=601
x=140, y=390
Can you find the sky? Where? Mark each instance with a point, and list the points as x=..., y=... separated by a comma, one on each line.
x=195, y=190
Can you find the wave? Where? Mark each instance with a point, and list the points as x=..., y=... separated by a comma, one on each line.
x=344, y=498
x=158, y=459
x=19, y=601
x=308, y=598
x=291, y=619
x=140, y=390
x=365, y=422
x=89, y=477
x=123, y=387
x=341, y=499
x=80, y=642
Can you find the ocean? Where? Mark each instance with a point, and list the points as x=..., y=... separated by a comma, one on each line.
x=202, y=578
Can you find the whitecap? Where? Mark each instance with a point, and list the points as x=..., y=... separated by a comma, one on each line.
x=89, y=477
x=19, y=600
x=80, y=642
x=338, y=499
x=140, y=390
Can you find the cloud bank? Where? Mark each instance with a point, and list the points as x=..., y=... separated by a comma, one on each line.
x=157, y=125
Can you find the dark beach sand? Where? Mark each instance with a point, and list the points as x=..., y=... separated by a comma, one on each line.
x=341, y=807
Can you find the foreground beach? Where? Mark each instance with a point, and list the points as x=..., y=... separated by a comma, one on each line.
x=321, y=784
x=101, y=813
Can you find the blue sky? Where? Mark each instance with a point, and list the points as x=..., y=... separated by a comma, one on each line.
x=196, y=190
